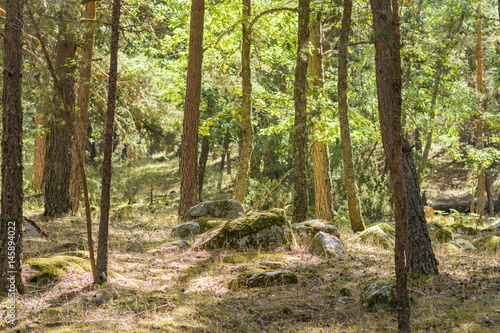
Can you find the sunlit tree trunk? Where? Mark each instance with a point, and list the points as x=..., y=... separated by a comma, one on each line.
x=11, y=218
x=58, y=150
x=388, y=78
x=357, y=223
x=319, y=150
x=246, y=105
x=205, y=148
x=189, y=145
x=81, y=120
x=102, y=249
x=299, y=159
x=39, y=155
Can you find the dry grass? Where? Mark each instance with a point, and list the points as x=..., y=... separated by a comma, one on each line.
x=187, y=291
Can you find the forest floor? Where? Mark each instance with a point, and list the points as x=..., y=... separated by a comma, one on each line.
x=154, y=289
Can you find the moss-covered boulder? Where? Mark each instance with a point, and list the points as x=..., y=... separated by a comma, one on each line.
x=207, y=223
x=438, y=233
x=223, y=209
x=305, y=231
x=171, y=246
x=488, y=243
x=380, y=295
x=258, y=230
x=324, y=244
x=188, y=229
x=462, y=244
x=493, y=227
x=462, y=229
x=377, y=236
x=52, y=268
x=265, y=279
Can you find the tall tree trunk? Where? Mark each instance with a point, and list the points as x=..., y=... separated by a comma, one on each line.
x=388, y=78
x=420, y=258
x=319, y=150
x=81, y=123
x=481, y=182
x=299, y=160
x=357, y=223
x=40, y=147
x=189, y=145
x=11, y=218
x=246, y=105
x=102, y=249
x=57, y=171
x=205, y=148
x=489, y=192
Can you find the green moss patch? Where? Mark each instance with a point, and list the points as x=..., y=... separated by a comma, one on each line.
x=488, y=243
x=52, y=268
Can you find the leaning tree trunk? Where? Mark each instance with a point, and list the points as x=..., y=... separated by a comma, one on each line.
x=102, y=250
x=388, y=79
x=246, y=105
x=11, y=218
x=299, y=159
x=420, y=259
x=189, y=145
x=357, y=223
x=81, y=123
x=319, y=150
x=56, y=178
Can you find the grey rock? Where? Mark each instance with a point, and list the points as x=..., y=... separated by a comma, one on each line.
x=305, y=231
x=187, y=229
x=265, y=279
x=224, y=209
x=324, y=244
x=380, y=295
x=258, y=230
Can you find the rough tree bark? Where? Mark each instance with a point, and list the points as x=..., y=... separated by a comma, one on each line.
x=481, y=180
x=246, y=105
x=189, y=145
x=388, y=79
x=299, y=159
x=357, y=223
x=57, y=171
x=420, y=258
x=11, y=218
x=81, y=121
x=102, y=249
x=319, y=150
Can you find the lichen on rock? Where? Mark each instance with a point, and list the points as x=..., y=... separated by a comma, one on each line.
x=380, y=295
x=225, y=209
x=324, y=244
x=258, y=230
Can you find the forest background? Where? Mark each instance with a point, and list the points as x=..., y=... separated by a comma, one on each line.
x=447, y=111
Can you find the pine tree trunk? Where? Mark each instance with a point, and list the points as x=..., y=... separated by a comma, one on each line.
x=357, y=223
x=299, y=159
x=11, y=218
x=189, y=145
x=56, y=178
x=319, y=150
x=102, y=249
x=39, y=155
x=481, y=182
x=205, y=149
x=420, y=259
x=81, y=123
x=246, y=105
x=388, y=78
